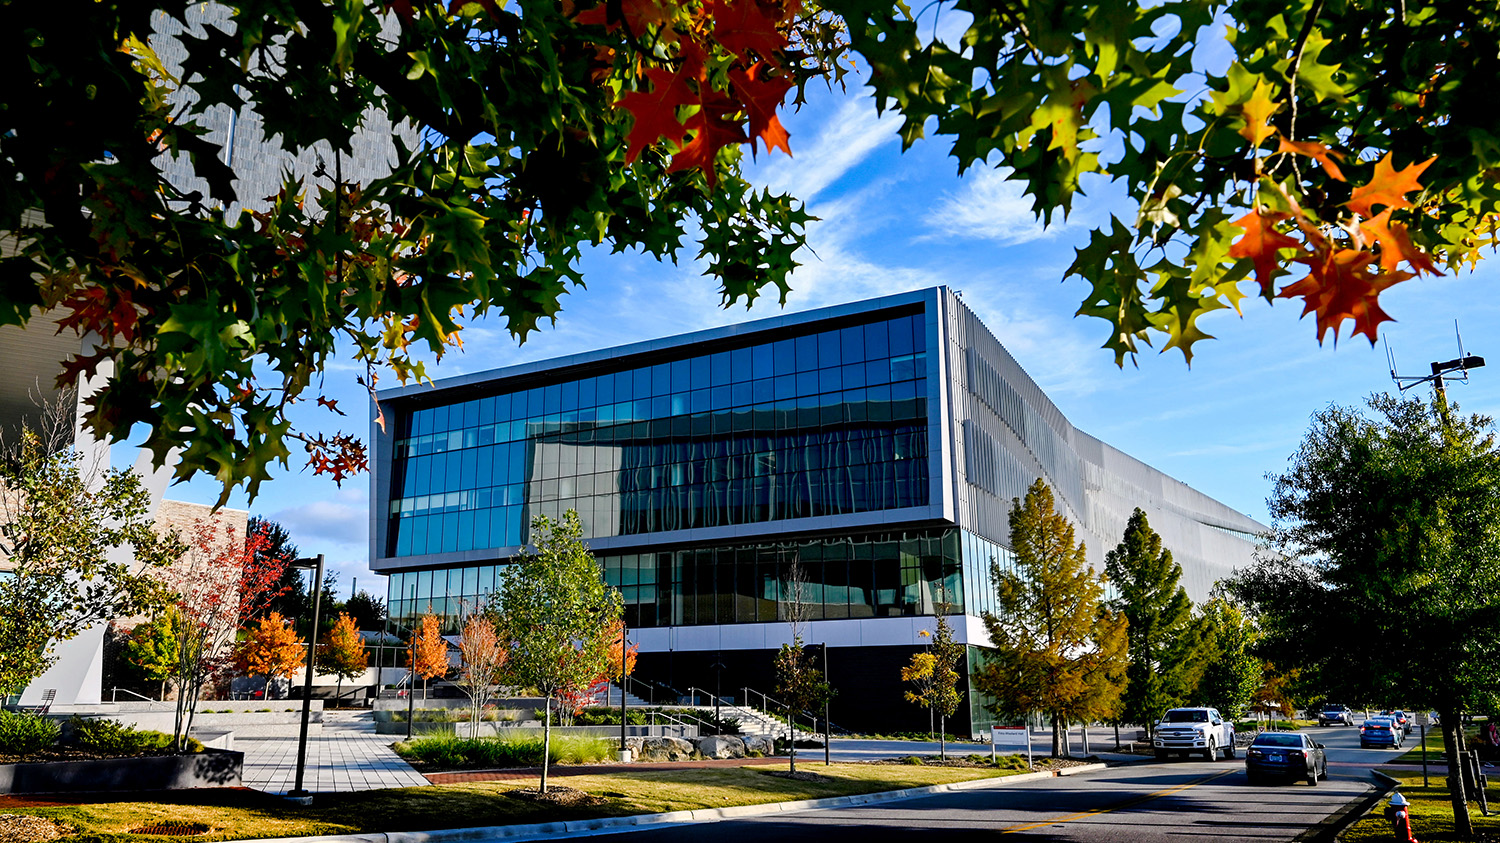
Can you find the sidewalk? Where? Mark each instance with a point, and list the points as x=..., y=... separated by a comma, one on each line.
x=347, y=756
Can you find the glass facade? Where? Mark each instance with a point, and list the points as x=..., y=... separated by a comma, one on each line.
x=827, y=423
x=915, y=572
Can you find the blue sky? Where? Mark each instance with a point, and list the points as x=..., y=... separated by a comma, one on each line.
x=893, y=222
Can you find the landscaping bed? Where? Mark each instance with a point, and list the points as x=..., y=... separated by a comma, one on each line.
x=1431, y=813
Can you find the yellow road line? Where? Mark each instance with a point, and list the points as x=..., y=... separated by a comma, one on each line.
x=1129, y=803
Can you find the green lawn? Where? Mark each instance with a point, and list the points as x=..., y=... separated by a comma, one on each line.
x=1431, y=813
x=239, y=814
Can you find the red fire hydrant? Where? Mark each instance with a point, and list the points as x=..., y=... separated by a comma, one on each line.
x=1398, y=812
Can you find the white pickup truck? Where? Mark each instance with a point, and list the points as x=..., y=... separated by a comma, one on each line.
x=1191, y=730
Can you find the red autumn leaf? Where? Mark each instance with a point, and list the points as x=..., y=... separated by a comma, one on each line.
x=761, y=97
x=1395, y=245
x=1312, y=149
x=330, y=403
x=1387, y=187
x=1260, y=244
x=712, y=130
x=655, y=113
x=742, y=26
x=1341, y=284
x=403, y=8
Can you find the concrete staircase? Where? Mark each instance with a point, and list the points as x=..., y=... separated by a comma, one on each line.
x=610, y=696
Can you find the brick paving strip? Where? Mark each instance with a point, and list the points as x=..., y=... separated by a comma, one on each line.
x=518, y=773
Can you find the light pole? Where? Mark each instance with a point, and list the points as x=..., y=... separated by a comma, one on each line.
x=298, y=793
x=624, y=659
x=411, y=675
x=718, y=667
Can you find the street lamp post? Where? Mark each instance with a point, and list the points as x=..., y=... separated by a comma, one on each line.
x=411, y=674
x=299, y=793
x=624, y=657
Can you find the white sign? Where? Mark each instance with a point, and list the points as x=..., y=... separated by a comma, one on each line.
x=1009, y=736
x=1423, y=720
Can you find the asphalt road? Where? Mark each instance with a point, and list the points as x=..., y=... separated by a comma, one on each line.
x=1137, y=802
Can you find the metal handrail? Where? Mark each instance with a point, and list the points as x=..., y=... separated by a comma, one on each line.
x=762, y=716
x=114, y=695
x=811, y=715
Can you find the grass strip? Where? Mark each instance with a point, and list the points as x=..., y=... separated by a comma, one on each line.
x=233, y=814
x=1431, y=813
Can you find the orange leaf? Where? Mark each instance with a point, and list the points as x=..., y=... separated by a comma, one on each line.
x=1260, y=244
x=656, y=112
x=1395, y=245
x=1387, y=187
x=712, y=132
x=761, y=98
x=741, y=26
x=1257, y=111
x=1313, y=149
x=1342, y=284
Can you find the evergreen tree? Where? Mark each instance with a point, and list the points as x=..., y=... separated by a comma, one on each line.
x=368, y=611
x=291, y=592
x=1059, y=648
x=1231, y=674
x=1167, y=644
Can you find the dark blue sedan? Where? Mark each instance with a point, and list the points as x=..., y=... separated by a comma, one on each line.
x=1285, y=755
x=1379, y=731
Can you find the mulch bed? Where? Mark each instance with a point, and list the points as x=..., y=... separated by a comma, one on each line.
x=564, y=797
x=15, y=828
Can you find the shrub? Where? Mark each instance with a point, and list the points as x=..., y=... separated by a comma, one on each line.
x=912, y=759
x=506, y=751
x=22, y=734
x=111, y=737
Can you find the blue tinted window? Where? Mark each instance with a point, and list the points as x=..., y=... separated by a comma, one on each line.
x=604, y=389
x=700, y=376
x=552, y=399
x=740, y=365
x=807, y=352
x=877, y=371
x=877, y=341
x=486, y=411
x=570, y=396
x=763, y=390
x=587, y=389
x=828, y=349
x=852, y=343
x=784, y=357
x=807, y=383
x=829, y=380
x=641, y=385
x=682, y=375
x=718, y=369
x=762, y=361
x=661, y=379
x=901, y=336
x=471, y=413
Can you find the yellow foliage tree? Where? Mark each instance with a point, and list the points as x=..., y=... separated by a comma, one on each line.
x=271, y=648
x=341, y=652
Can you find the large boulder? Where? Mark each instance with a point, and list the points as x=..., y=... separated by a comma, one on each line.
x=721, y=746
x=759, y=743
x=660, y=749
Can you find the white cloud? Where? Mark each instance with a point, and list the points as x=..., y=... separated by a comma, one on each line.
x=847, y=139
x=988, y=208
x=343, y=520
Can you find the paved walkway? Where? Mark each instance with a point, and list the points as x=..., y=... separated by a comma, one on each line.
x=347, y=756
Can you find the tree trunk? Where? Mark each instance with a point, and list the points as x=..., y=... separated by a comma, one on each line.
x=265, y=693
x=546, y=741
x=1117, y=736
x=338, y=690
x=1056, y=743
x=1084, y=728
x=1453, y=742
x=791, y=731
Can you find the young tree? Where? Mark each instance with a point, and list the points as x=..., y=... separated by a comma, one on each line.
x=934, y=674
x=79, y=546
x=1058, y=648
x=1166, y=643
x=1384, y=523
x=799, y=680
x=484, y=655
x=1231, y=672
x=271, y=648
x=427, y=653
x=558, y=613
x=152, y=647
x=341, y=653
x=222, y=578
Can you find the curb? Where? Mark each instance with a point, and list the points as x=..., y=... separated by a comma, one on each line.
x=543, y=831
x=1334, y=824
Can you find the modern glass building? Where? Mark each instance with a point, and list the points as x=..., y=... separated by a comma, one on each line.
x=876, y=444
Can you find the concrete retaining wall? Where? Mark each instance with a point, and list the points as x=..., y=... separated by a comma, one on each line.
x=210, y=768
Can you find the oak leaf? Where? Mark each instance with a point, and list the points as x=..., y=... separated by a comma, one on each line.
x=1317, y=151
x=655, y=112
x=1388, y=187
x=1257, y=112
x=1260, y=244
x=742, y=27
x=712, y=130
x=1395, y=244
x=761, y=96
x=1342, y=285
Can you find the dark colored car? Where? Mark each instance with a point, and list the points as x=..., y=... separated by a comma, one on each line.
x=1285, y=755
x=1332, y=714
x=1379, y=731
